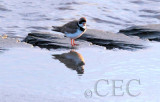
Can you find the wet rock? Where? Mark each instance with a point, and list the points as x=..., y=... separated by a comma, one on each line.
x=7, y=42
x=112, y=40
x=150, y=32
x=96, y=37
x=51, y=41
x=2, y=50
x=4, y=36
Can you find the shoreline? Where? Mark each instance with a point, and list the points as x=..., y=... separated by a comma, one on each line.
x=127, y=39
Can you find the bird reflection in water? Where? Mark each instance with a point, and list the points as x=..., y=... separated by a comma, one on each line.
x=72, y=60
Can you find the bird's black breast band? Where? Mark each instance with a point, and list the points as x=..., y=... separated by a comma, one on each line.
x=82, y=29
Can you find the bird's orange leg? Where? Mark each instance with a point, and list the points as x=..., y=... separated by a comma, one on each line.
x=72, y=42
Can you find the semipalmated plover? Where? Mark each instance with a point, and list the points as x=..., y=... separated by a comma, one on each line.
x=73, y=29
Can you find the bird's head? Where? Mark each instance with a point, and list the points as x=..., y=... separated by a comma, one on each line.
x=82, y=22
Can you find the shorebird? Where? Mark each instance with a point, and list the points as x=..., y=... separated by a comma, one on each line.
x=73, y=29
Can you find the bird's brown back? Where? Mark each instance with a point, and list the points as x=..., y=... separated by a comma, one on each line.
x=70, y=27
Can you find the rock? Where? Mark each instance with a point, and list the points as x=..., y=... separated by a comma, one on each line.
x=96, y=37
x=150, y=32
x=51, y=41
x=4, y=36
x=112, y=40
x=7, y=42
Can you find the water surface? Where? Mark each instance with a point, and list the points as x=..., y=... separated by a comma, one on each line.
x=35, y=74
x=40, y=75
x=19, y=17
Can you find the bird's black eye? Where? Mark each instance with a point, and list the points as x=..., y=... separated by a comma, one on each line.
x=81, y=22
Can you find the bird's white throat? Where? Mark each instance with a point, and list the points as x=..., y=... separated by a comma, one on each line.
x=81, y=25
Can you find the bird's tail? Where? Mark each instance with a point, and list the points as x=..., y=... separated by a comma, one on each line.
x=56, y=28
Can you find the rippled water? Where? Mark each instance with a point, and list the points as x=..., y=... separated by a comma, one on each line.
x=40, y=75
x=19, y=17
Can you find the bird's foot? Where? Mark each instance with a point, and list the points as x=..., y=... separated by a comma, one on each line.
x=76, y=44
x=73, y=43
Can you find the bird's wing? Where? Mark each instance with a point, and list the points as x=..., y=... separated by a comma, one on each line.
x=70, y=27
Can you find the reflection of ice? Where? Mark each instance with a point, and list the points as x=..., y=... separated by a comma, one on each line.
x=72, y=60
